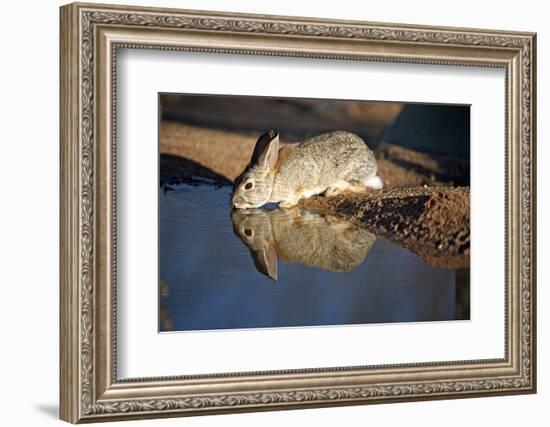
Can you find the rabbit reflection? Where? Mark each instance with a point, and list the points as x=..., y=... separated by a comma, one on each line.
x=299, y=236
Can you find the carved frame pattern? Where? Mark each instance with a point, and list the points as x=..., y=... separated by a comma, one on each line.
x=80, y=23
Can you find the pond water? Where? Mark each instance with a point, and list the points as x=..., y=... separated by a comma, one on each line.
x=288, y=267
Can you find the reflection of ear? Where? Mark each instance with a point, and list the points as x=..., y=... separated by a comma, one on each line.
x=266, y=151
x=271, y=261
x=265, y=261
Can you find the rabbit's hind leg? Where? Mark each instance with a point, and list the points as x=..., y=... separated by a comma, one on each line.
x=342, y=186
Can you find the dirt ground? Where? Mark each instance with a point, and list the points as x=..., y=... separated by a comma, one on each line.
x=420, y=208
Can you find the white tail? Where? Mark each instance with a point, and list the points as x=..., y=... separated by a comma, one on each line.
x=374, y=182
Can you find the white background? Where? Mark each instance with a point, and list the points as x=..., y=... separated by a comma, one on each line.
x=29, y=172
x=144, y=73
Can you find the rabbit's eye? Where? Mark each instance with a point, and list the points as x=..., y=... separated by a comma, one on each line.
x=248, y=186
x=248, y=232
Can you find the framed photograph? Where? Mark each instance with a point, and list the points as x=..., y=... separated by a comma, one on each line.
x=267, y=212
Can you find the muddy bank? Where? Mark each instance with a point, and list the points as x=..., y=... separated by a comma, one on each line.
x=433, y=223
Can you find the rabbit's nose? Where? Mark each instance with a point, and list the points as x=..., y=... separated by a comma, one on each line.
x=237, y=201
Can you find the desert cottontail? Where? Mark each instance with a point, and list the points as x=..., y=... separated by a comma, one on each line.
x=299, y=236
x=328, y=163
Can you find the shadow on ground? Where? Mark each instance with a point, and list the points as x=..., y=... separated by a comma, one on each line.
x=50, y=410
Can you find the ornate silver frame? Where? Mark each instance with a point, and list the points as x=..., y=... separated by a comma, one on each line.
x=90, y=36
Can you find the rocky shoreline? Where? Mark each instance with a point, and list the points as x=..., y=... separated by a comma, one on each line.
x=432, y=222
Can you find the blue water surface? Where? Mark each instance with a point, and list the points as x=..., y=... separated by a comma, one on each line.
x=209, y=280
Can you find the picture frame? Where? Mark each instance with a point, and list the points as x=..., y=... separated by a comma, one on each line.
x=91, y=35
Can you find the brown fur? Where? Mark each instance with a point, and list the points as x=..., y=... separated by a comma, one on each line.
x=284, y=153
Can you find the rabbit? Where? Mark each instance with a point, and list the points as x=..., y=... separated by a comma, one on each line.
x=299, y=236
x=329, y=163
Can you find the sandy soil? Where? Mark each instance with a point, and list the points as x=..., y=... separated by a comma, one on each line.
x=224, y=154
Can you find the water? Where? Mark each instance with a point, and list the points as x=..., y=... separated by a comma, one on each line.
x=279, y=268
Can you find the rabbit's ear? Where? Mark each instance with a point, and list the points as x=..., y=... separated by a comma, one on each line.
x=265, y=260
x=266, y=151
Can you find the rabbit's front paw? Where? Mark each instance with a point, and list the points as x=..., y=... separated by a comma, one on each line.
x=289, y=203
x=333, y=191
